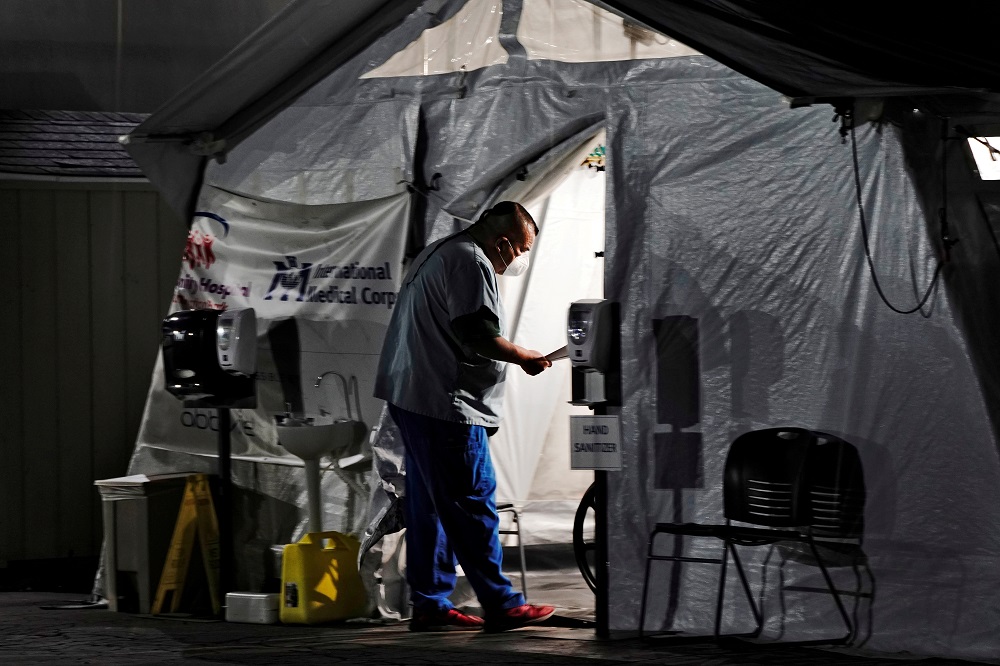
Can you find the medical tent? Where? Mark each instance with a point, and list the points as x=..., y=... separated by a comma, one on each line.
x=773, y=200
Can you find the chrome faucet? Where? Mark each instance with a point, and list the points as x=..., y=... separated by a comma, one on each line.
x=345, y=385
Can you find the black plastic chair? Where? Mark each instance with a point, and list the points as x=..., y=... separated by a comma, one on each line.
x=775, y=486
x=838, y=496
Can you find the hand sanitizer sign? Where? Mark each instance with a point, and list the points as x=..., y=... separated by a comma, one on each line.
x=595, y=442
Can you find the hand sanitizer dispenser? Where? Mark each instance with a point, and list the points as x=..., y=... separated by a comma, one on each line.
x=594, y=350
x=236, y=337
x=192, y=352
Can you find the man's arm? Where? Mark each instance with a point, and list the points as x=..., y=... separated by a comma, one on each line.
x=500, y=349
x=480, y=332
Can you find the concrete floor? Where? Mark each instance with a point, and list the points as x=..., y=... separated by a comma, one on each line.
x=60, y=628
x=45, y=628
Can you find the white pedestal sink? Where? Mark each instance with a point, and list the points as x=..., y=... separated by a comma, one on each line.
x=310, y=441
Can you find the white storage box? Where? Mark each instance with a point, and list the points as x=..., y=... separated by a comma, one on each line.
x=252, y=607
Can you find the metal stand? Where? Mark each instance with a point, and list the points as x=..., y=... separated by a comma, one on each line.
x=224, y=487
x=601, y=563
x=313, y=495
x=225, y=503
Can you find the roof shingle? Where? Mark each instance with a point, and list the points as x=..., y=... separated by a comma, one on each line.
x=67, y=143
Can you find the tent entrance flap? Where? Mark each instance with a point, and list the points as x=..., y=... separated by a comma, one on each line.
x=565, y=193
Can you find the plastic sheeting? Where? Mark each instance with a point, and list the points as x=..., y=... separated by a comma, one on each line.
x=468, y=40
x=562, y=30
x=578, y=31
x=314, y=155
x=382, y=555
x=739, y=215
x=735, y=215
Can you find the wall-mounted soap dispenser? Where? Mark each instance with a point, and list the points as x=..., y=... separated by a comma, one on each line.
x=209, y=357
x=594, y=344
x=236, y=335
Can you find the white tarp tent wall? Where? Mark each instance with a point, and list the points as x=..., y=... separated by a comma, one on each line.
x=725, y=209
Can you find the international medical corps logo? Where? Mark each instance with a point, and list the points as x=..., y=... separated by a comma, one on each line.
x=198, y=251
x=290, y=279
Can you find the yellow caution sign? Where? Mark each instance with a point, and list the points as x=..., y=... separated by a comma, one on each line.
x=196, y=517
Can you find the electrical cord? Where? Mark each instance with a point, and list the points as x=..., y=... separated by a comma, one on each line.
x=848, y=119
x=985, y=216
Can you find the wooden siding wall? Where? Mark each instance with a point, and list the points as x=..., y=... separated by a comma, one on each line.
x=87, y=274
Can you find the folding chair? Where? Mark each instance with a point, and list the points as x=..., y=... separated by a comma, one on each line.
x=515, y=529
x=768, y=497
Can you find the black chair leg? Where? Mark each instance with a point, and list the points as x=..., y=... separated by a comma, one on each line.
x=870, y=595
x=722, y=587
x=859, y=589
x=833, y=590
x=645, y=584
x=757, y=615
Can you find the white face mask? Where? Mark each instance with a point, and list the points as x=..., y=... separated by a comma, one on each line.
x=517, y=266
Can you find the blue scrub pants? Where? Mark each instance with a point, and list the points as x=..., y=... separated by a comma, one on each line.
x=451, y=513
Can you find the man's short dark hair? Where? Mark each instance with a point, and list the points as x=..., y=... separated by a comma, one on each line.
x=512, y=209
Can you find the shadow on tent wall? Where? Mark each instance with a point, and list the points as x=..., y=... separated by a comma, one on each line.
x=283, y=337
x=679, y=462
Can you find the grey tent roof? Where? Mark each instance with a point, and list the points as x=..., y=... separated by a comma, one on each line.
x=296, y=48
x=67, y=143
x=858, y=51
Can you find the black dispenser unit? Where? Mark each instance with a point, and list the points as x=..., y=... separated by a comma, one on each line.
x=191, y=367
x=209, y=361
x=594, y=350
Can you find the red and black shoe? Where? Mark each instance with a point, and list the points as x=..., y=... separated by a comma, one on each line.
x=519, y=616
x=449, y=620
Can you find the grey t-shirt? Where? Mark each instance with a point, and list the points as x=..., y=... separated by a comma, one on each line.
x=424, y=367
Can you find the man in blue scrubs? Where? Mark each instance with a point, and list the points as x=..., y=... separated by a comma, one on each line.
x=442, y=372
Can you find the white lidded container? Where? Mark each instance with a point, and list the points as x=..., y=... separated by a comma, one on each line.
x=252, y=607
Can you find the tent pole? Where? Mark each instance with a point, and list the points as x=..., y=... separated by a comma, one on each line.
x=224, y=511
x=612, y=407
x=601, y=543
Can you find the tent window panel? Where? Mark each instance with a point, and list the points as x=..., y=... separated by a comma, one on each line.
x=986, y=153
x=577, y=31
x=468, y=40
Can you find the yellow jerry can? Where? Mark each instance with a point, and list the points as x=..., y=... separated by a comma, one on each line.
x=320, y=581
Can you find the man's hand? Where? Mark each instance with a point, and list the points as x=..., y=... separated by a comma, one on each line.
x=535, y=363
